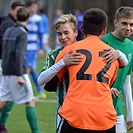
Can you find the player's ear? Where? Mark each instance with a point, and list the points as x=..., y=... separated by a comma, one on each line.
x=115, y=22
x=104, y=31
x=82, y=29
x=76, y=33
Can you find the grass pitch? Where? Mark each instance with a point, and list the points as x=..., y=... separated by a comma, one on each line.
x=17, y=122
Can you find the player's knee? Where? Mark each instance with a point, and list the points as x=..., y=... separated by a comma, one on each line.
x=30, y=103
x=2, y=105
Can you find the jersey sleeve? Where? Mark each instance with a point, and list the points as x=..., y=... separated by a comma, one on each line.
x=131, y=61
x=48, y=62
x=60, y=56
x=127, y=95
x=52, y=85
x=49, y=73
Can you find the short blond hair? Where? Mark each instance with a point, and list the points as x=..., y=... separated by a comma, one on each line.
x=66, y=18
x=124, y=12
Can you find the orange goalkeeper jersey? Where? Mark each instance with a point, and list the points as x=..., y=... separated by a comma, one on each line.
x=88, y=103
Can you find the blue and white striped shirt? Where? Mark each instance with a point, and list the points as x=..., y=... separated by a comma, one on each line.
x=35, y=32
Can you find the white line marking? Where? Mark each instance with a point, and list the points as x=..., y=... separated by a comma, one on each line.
x=46, y=101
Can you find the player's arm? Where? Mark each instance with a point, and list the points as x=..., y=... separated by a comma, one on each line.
x=127, y=95
x=54, y=82
x=116, y=63
x=40, y=36
x=48, y=74
x=40, y=50
x=113, y=54
x=114, y=91
x=20, y=49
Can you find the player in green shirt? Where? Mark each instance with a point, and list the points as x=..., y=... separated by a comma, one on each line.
x=118, y=39
x=69, y=33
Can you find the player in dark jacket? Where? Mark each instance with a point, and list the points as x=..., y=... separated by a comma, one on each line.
x=7, y=22
x=16, y=85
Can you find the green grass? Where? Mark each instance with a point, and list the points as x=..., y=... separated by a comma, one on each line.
x=17, y=122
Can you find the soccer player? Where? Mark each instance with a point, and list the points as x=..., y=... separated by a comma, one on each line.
x=90, y=81
x=67, y=24
x=45, y=20
x=16, y=84
x=67, y=36
x=118, y=39
x=36, y=31
x=7, y=22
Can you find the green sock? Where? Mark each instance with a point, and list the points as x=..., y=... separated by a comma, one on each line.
x=5, y=113
x=32, y=119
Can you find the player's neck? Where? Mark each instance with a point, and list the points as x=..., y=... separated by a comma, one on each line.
x=89, y=35
x=117, y=35
x=23, y=23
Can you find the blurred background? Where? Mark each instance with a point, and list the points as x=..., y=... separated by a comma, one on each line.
x=53, y=8
x=69, y=6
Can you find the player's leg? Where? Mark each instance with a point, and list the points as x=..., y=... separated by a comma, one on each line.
x=3, y=119
x=31, y=69
x=4, y=96
x=40, y=90
x=31, y=115
x=24, y=94
x=34, y=75
x=5, y=113
x=28, y=98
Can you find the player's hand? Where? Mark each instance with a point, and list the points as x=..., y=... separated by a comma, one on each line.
x=40, y=53
x=21, y=80
x=114, y=92
x=72, y=58
x=130, y=125
x=110, y=55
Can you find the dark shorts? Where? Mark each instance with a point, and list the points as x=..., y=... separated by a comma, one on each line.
x=65, y=127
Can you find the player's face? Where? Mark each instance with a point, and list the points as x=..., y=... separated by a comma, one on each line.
x=14, y=12
x=33, y=8
x=66, y=35
x=124, y=27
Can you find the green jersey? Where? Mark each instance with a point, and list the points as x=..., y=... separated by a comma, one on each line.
x=63, y=86
x=126, y=47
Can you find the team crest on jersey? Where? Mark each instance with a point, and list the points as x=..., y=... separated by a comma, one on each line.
x=129, y=57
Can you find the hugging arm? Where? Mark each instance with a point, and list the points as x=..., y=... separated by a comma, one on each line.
x=48, y=74
x=112, y=54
